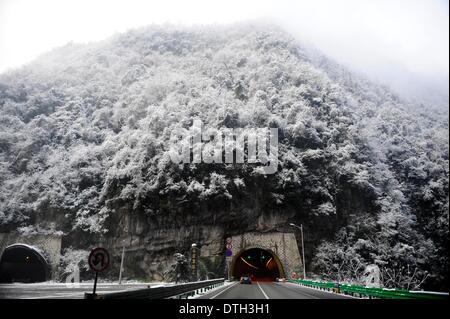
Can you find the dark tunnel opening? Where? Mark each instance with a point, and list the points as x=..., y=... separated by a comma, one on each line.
x=21, y=263
x=259, y=264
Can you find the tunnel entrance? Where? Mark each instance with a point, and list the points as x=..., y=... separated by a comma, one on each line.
x=22, y=263
x=260, y=264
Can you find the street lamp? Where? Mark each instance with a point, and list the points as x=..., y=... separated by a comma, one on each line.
x=121, y=262
x=303, y=247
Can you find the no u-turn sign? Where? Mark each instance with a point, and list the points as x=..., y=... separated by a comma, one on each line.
x=99, y=259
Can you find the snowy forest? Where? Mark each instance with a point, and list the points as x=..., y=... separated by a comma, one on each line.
x=84, y=129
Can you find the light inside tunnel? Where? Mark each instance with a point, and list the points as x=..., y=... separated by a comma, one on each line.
x=260, y=264
x=21, y=263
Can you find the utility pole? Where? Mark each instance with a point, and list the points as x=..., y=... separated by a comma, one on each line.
x=303, y=253
x=303, y=247
x=121, y=264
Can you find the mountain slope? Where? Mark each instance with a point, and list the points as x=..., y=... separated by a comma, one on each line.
x=83, y=150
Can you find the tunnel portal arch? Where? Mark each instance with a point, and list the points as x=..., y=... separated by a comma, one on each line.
x=23, y=263
x=281, y=246
x=260, y=263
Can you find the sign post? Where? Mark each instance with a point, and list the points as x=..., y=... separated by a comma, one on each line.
x=95, y=282
x=98, y=261
x=194, y=262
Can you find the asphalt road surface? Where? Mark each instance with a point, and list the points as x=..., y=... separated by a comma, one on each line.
x=61, y=290
x=257, y=290
x=270, y=290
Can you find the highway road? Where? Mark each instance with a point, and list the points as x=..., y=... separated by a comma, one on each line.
x=61, y=290
x=257, y=290
x=270, y=290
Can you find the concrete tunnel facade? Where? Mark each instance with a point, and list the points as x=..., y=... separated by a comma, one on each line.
x=29, y=258
x=264, y=256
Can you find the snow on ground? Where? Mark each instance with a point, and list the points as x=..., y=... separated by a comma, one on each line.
x=86, y=283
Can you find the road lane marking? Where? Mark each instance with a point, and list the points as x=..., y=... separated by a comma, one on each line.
x=67, y=294
x=232, y=285
x=299, y=290
x=265, y=295
x=330, y=293
x=58, y=296
x=324, y=291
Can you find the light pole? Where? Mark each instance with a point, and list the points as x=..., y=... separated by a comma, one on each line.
x=121, y=264
x=303, y=247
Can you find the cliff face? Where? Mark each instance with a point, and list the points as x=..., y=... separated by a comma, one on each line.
x=84, y=134
x=151, y=241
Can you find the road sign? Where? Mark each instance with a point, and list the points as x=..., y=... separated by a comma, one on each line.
x=99, y=259
x=229, y=247
x=194, y=267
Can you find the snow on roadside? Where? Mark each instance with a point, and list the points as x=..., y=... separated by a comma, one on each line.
x=226, y=283
x=88, y=283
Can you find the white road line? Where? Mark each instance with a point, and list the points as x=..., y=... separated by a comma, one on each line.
x=232, y=285
x=67, y=295
x=299, y=291
x=326, y=291
x=62, y=295
x=265, y=295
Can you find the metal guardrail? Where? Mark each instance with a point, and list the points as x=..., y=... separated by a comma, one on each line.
x=160, y=292
x=381, y=293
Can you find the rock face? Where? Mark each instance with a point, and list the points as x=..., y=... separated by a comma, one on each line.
x=150, y=245
x=84, y=150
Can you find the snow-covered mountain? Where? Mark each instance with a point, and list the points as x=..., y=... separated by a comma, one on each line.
x=83, y=150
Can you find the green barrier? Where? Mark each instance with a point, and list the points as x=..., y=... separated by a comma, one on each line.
x=367, y=292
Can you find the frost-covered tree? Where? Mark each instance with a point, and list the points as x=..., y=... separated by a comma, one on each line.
x=84, y=132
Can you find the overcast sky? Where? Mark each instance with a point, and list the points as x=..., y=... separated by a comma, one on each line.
x=393, y=40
